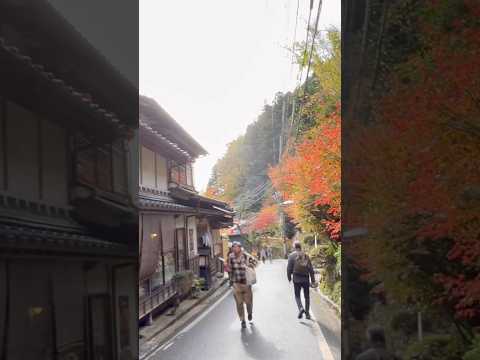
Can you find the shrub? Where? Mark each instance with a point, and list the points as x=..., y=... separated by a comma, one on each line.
x=198, y=285
x=474, y=351
x=406, y=322
x=336, y=294
x=436, y=347
x=184, y=282
x=323, y=256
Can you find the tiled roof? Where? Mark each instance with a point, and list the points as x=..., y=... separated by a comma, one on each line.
x=22, y=236
x=83, y=98
x=161, y=205
x=164, y=140
x=153, y=115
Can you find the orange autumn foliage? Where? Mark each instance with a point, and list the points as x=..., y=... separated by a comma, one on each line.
x=311, y=176
x=265, y=219
x=418, y=184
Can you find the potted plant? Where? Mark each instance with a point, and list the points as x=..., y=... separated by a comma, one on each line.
x=184, y=281
x=197, y=286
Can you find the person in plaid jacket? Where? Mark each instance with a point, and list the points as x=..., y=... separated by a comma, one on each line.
x=238, y=261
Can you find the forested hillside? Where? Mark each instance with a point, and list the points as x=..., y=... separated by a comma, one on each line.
x=241, y=176
x=285, y=133
x=283, y=175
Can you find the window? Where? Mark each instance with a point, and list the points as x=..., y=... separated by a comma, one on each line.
x=174, y=173
x=100, y=166
x=181, y=174
x=85, y=164
x=153, y=170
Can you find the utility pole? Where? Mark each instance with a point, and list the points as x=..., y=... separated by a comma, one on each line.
x=419, y=326
x=280, y=146
x=277, y=197
x=282, y=225
x=273, y=133
x=280, y=150
x=292, y=121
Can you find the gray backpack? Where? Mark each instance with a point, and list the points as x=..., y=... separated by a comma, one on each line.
x=301, y=266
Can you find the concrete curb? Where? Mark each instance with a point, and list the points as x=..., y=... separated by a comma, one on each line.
x=184, y=312
x=330, y=303
x=218, y=292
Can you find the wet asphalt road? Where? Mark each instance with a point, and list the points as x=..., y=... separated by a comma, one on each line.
x=275, y=333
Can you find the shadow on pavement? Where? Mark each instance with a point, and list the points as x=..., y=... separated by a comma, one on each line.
x=307, y=323
x=257, y=346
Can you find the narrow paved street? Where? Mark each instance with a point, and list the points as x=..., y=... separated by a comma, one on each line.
x=276, y=332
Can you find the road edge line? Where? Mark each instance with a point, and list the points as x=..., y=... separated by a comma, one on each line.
x=322, y=341
x=221, y=293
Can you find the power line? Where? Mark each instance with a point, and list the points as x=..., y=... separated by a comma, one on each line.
x=254, y=193
x=310, y=58
x=253, y=203
x=294, y=39
x=248, y=205
x=313, y=42
x=306, y=40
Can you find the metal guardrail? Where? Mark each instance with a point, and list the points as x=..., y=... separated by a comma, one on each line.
x=157, y=298
x=195, y=265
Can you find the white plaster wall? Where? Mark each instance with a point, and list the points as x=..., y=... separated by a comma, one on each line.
x=162, y=177
x=180, y=222
x=148, y=167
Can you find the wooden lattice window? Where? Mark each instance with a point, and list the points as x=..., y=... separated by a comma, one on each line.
x=102, y=166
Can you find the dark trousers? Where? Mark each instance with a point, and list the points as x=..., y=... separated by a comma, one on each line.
x=306, y=293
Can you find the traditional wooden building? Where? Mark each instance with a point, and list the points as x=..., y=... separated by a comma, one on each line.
x=68, y=224
x=179, y=229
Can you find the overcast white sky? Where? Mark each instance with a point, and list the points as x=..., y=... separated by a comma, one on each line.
x=212, y=64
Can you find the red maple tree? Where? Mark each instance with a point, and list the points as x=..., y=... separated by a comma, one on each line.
x=311, y=176
x=418, y=189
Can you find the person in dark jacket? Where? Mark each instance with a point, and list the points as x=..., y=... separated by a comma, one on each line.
x=301, y=270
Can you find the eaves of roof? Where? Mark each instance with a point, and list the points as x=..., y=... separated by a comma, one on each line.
x=157, y=136
x=96, y=111
x=164, y=206
x=156, y=117
x=25, y=237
